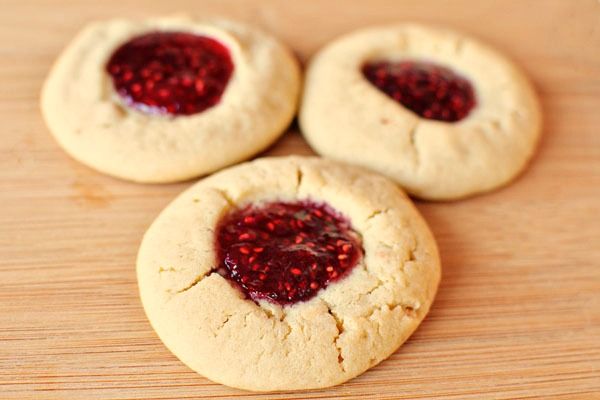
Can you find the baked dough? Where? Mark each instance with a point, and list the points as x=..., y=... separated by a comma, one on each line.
x=344, y=117
x=92, y=123
x=347, y=328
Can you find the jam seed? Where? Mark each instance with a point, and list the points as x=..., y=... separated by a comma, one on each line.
x=244, y=250
x=199, y=86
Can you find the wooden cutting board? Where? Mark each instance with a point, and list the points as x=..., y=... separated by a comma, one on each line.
x=518, y=311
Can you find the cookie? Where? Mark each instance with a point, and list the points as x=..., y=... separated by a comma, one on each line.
x=440, y=113
x=169, y=99
x=287, y=273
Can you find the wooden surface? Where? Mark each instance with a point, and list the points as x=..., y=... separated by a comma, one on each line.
x=518, y=311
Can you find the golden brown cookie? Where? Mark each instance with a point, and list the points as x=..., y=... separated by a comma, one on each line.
x=169, y=99
x=287, y=273
x=441, y=113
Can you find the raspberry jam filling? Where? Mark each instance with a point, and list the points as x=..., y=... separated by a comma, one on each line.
x=285, y=252
x=172, y=73
x=429, y=90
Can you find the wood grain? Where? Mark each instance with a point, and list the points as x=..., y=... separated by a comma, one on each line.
x=518, y=312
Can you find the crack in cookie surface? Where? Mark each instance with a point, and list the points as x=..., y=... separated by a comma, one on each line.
x=339, y=323
x=196, y=281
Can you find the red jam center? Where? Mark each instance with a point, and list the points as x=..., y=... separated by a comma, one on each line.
x=429, y=90
x=285, y=252
x=170, y=72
